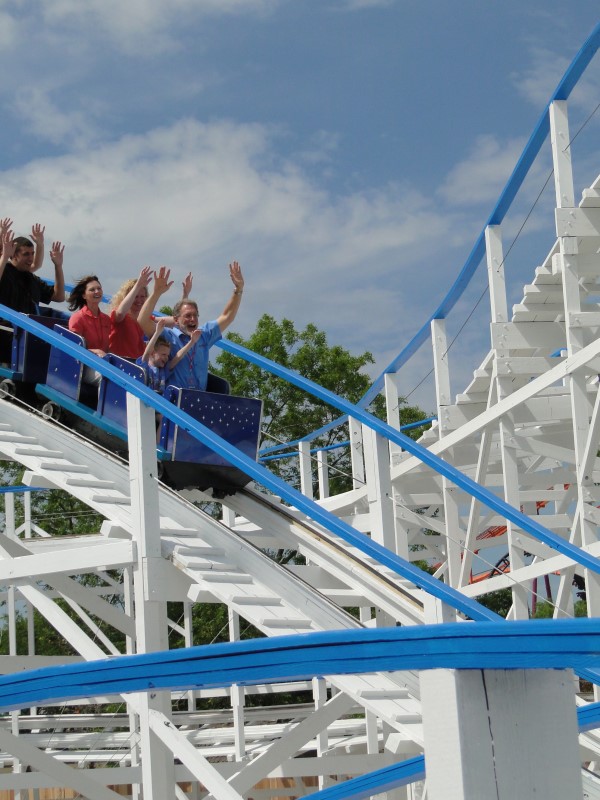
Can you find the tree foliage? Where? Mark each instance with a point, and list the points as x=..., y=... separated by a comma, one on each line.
x=289, y=413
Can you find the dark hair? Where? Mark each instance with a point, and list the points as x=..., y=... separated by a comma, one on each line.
x=181, y=303
x=76, y=299
x=20, y=242
x=161, y=341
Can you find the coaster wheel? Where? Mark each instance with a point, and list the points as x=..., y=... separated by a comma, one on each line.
x=8, y=390
x=51, y=411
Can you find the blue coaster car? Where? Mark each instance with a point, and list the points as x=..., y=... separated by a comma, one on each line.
x=101, y=415
x=235, y=419
x=28, y=364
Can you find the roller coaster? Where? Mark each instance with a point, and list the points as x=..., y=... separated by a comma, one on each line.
x=366, y=674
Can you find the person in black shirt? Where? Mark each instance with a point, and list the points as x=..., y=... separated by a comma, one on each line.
x=20, y=289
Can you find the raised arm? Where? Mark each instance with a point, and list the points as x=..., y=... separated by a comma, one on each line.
x=37, y=235
x=230, y=311
x=8, y=249
x=142, y=282
x=162, y=284
x=5, y=225
x=186, y=347
x=186, y=286
x=56, y=256
x=152, y=341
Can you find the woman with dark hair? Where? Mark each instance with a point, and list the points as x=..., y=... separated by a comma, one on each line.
x=88, y=321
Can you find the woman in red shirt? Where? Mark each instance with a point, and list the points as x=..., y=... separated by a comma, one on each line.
x=126, y=335
x=88, y=321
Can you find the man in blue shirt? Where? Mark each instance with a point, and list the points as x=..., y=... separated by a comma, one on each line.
x=192, y=371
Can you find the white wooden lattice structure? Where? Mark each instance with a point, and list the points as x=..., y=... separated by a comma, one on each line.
x=527, y=427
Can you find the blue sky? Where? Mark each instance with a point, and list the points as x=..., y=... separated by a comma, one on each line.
x=346, y=152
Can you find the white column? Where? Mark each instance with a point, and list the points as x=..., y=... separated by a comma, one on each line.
x=500, y=734
x=356, y=453
x=323, y=473
x=158, y=773
x=306, y=484
x=450, y=492
x=237, y=694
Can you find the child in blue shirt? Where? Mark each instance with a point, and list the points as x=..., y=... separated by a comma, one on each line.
x=155, y=358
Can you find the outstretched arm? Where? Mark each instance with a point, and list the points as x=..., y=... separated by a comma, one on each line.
x=56, y=256
x=186, y=286
x=186, y=347
x=143, y=280
x=150, y=346
x=230, y=311
x=37, y=235
x=161, y=286
x=8, y=249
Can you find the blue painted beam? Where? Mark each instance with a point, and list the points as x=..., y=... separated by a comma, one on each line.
x=533, y=644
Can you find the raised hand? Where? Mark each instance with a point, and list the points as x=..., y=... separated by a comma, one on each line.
x=145, y=277
x=186, y=286
x=235, y=273
x=8, y=244
x=37, y=234
x=196, y=335
x=5, y=225
x=56, y=254
x=161, y=281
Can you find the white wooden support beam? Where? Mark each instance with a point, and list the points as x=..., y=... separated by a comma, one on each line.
x=495, y=268
x=484, y=731
x=306, y=483
x=237, y=694
x=356, y=453
x=78, y=779
x=379, y=488
x=290, y=744
x=561, y=155
x=185, y=751
x=150, y=614
x=439, y=341
x=323, y=474
x=320, y=698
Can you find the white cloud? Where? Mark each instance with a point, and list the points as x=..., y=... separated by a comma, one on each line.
x=195, y=196
x=538, y=82
x=357, y=5
x=36, y=109
x=136, y=25
x=481, y=176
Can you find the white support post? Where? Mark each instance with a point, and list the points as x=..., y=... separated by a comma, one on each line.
x=450, y=493
x=504, y=387
x=379, y=488
x=323, y=473
x=158, y=772
x=356, y=453
x=483, y=731
x=306, y=484
x=393, y=420
x=237, y=694
x=11, y=531
x=129, y=649
x=382, y=515
x=188, y=637
x=585, y=532
x=319, y=688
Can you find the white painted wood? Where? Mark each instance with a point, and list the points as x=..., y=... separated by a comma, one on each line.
x=484, y=731
x=305, y=463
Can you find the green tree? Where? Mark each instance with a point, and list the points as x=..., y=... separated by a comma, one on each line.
x=289, y=413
